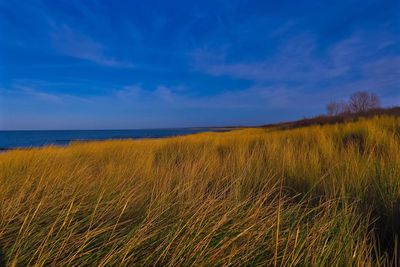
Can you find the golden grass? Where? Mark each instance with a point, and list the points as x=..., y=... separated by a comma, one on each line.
x=323, y=195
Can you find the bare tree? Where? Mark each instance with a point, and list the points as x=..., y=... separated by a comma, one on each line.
x=336, y=108
x=332, y=108
x=363, y=101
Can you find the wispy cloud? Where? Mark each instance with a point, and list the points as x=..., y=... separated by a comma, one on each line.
x=138, y=95
x=302, y=68
x=298, y=59
x=33, y=91
x=294, y=61
x=256, y=97
x=44, y=96
x=71, y=43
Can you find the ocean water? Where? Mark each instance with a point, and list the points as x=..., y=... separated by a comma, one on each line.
x=25, y=139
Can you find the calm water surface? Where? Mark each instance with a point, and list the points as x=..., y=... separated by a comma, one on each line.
x=24, y=139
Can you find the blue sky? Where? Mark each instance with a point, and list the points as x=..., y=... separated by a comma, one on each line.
x=155, y=64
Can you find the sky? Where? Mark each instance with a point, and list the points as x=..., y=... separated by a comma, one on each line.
x=90, y=64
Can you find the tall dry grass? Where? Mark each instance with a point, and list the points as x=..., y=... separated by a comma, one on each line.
x=323, y=195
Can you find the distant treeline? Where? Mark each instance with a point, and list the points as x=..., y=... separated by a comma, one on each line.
x=360, y=104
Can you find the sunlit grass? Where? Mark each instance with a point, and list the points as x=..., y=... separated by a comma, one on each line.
x=321, y=195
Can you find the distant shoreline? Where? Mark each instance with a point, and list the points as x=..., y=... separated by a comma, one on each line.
x=66, y=142
x=118, y=130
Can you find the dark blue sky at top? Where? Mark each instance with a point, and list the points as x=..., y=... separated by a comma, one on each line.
x=153, y=64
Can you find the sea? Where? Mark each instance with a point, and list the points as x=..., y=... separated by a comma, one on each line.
x=27, y=139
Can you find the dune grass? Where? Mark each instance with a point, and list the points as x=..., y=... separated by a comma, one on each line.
x=314, y=196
